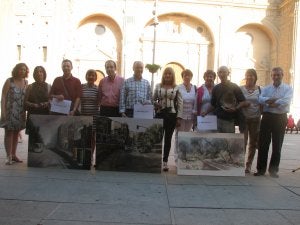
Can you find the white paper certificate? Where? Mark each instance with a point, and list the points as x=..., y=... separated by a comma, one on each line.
x=208, y=122
x=60, y=106
x=142, y=111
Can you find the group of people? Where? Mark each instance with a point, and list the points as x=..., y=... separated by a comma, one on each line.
x=264, y=112
x=263, y=109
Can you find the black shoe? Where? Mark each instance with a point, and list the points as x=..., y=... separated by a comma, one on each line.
x=274, y=175
x=258, y=174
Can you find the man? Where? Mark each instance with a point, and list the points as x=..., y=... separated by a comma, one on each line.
x=109, y=91
x=227, y=98
x=67, y=87
x=135, y=90
x=276, y=99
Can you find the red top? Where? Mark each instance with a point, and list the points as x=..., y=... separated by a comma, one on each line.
x=72, y=90
x=291, y=122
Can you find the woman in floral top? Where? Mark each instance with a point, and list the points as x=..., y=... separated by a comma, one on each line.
x=168, y=105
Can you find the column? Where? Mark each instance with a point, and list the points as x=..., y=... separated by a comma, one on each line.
x=295, y=66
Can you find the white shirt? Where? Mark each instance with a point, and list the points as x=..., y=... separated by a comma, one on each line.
x=283, y=93
x=253, y=110
x=189, y=100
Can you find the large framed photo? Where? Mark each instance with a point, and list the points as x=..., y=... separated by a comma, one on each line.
x=213, y=154
x=128, y=144
x=59, y=141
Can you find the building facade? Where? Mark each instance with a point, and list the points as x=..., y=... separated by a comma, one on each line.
x=193, y=34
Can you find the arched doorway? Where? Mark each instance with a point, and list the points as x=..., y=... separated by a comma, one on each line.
x=251, y=48
x=97, y=39
x=180, y=38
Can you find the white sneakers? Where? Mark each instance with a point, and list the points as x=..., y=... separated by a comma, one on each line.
x=165, y=166
x=8, y=160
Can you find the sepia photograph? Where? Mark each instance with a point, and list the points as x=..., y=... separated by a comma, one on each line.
x=128, y=144
x=213, y=154
x=59, y=141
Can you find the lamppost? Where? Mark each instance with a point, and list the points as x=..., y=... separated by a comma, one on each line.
x=154, y=24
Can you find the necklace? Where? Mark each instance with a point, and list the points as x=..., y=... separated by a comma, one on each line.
x=250, y=90
x=187, y=88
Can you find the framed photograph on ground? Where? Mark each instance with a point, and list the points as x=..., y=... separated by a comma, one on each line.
x=59, y=141
x=128, y=144
x=213, y=154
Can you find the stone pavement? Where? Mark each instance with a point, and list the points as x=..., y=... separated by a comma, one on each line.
x=35, y=196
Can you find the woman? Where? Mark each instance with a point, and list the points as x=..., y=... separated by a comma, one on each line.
x=90, y=104
x=188, y=92
x=252, y=113
x=89, y=98
x=36, y=100
x=37, y=93
x=13, y=115
x=168, y=105
x=204, y=94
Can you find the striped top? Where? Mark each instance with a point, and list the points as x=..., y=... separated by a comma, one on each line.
x=89, y=100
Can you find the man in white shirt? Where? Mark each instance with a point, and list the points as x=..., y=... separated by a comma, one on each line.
x=276, y=99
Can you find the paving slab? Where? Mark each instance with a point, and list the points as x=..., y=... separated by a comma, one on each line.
x=237, y=197
x=293, y=216
x=25, y=210
x=256, y=217
x=200, y=216
x=191, y=196
x=113, y=213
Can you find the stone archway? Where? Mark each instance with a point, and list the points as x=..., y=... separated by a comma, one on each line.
x=98, y=38
x=252, y=48
x=180, y=38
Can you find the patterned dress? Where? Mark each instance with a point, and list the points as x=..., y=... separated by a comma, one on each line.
x=15, y=113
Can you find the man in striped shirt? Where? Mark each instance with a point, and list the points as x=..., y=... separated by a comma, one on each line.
x=135, y=90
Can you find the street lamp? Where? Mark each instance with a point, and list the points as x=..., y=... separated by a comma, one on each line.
x=154, y=24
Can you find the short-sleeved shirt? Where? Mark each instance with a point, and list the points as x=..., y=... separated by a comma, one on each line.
x=72, y=90
x=89, y=100
x=226, y=95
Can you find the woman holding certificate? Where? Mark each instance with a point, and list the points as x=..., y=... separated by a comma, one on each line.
x=168, y=106
x=204, y=94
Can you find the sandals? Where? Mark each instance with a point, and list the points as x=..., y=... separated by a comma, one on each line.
x=16, y=159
